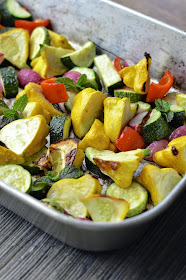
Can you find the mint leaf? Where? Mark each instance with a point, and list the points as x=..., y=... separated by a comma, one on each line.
x=69, y=83
x=9, y=113
x=162, y=105
x=82, y=79
x=20, y=104
x=52, y=175
x=18, y=116
x=70, y=172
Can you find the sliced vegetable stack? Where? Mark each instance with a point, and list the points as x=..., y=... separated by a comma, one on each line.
x=102, y=143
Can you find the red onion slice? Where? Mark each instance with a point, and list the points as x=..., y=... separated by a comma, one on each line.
x=180, y=131
x=155, y=147
x=74, y=75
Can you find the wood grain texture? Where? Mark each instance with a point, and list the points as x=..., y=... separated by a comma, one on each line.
x=168, y=11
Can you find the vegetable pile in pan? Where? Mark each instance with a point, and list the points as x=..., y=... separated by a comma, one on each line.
x=89, y=137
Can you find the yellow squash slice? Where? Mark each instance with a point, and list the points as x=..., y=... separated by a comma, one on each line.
x=159, y=182
x=95, y=137
x=87, y=106
x=117, y=113
x=25, y=136
x=69, y=193
x=14, y=44
x=35, y=94
x=106, y=209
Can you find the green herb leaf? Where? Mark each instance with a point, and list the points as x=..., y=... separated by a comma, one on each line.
x=162, y=105
x=82, y=79
x=70, y=172
x=20, y=104
x=10, y=113
x=69, y=83
x=18, y=116
x=3, y=104
x=52, y=175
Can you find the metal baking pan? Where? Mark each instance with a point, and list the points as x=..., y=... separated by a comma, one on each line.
x=127, y=34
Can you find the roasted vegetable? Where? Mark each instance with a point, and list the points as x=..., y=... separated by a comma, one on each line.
x=106, y=209
x=59, y=128
x=156, y=127
x=49, y=63
x=35, y=94
x=137, y=76
x=119, y=166
x=117, y=113
x=95, y=137
x=9, y=157
x=14, y=44
x=159, y=182
x=135, y=195
x=110, y=77
x=25, y=136
x=70, y=192
x=61, y=154
x=174, y=155
x=87, y=106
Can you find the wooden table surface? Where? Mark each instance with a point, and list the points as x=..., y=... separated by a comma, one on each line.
x=28, y=253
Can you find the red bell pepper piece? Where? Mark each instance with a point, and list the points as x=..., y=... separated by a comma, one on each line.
x=157, y=91
x=1, y=26
x=29, y=26
x=129, y=140
x=54, y=92
x=117, y=64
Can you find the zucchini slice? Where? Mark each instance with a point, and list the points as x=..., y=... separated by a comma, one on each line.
x=133, y=96
x=135, y=194
x=59, y=128
x=83, y=57
x=179, y=116
x=110, y=77
x=40, y=36
x=16, y=10
x=29, y=162
x=156, y=128
x=10, y=10
x=9, y=81
x=92, y=76
x=16, y=176
x=143, y=107
x=68, y=104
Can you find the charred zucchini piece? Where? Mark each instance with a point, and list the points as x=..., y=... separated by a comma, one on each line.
x=156, y=128
x=59, y=128
x=29, y=163
x=9, y=80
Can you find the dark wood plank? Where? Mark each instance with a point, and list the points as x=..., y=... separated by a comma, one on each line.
x=168, y=11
